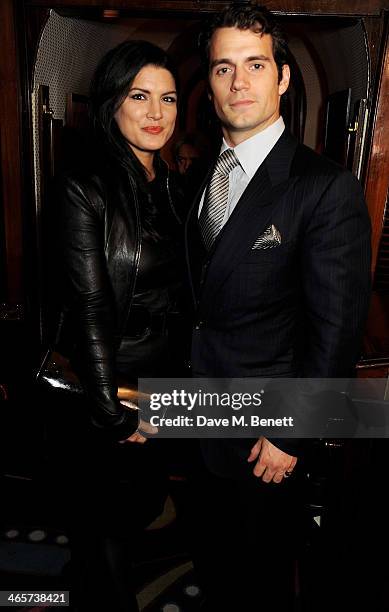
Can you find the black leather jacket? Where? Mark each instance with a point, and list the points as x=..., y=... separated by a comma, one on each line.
x=101, y=245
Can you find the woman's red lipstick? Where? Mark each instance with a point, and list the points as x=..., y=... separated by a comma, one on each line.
x=153, y=129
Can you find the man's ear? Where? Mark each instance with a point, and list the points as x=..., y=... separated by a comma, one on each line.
x=284, y=83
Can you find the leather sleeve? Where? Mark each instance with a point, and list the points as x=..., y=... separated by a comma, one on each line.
x=90, y=298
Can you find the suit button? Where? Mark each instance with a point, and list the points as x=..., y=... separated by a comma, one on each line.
x=199, y=325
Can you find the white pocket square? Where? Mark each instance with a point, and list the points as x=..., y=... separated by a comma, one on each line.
x=270, y=238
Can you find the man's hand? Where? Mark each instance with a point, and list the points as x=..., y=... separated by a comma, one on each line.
x=273, y=463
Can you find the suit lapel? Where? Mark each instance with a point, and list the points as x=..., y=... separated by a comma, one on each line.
x=251, y=215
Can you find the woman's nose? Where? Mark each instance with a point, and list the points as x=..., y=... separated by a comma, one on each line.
x=154, y=110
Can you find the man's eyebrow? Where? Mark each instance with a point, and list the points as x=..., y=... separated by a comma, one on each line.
x=262, y=58
x=251, y=58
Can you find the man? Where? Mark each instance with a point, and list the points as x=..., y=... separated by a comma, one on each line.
x=279, y=254
x=190, y=154
x=186, y=152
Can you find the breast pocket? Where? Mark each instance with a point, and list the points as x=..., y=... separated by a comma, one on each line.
x=274, y=254
x=267, y=268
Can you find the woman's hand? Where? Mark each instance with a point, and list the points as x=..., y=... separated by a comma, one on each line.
x=143, y=426
x=135, y=437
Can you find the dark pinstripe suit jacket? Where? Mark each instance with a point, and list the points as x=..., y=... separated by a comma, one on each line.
x=299, y=308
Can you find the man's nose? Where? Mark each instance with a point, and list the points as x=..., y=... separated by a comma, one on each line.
x=240, y=80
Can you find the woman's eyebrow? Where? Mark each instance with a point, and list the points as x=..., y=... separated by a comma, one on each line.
x=147, y=91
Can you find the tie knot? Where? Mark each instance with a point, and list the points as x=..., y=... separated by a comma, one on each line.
x=226, y=162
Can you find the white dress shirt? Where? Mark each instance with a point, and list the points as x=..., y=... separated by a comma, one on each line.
x=250, y=153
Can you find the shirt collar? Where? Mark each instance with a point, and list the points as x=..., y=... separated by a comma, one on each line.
x=252, y=152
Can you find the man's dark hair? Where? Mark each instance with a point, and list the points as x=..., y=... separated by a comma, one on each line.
x=258, y=19
x=110, y=85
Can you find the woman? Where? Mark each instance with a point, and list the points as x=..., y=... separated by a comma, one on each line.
x=121, y=234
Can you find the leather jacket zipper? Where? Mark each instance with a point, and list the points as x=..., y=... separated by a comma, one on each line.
x=138, y=250
x=170, y=198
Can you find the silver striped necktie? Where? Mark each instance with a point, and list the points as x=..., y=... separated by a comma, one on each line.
x=216, y=197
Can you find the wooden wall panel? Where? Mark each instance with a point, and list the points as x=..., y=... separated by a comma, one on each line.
x=377, y=177
x=10, y=153
x=328, y=7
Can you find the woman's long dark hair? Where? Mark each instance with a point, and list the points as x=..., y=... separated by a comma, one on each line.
x=110, y=84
